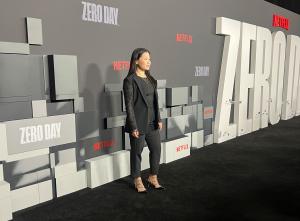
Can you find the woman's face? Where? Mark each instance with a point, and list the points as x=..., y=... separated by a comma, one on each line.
x=144, y=62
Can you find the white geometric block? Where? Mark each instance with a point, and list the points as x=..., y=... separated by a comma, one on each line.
x=162, y=154
x=176, y=149
x=45, y=191
x=1, y=172
x=195, y=93
x=121, y=163
x=198, y=139
x=189, y=135
x=145, y=164
x=34, y=31
x=127, y=142
x=14, y=48
x=71, y=183
x=161, y=93
x=3, y=143
x=65, y=169
x=5, y=209
x=208, y=139
x=78, y=104
x=4, y=189
x=25, y=197
x=39, y=108
x=107, y=168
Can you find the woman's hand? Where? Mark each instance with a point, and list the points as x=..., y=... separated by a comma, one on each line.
x=160, y=125
x=135, y=133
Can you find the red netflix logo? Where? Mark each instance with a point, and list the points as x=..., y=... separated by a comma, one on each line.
x=184, y=38
x=103, y=144
x=182, y=147
x=121, y=65
x=280, y=21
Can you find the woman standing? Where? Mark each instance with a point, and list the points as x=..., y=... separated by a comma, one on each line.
x=143, y=119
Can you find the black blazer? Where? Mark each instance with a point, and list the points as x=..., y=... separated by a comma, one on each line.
x=136, y=105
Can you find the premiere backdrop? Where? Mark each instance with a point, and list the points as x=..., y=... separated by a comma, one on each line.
x=62, y=64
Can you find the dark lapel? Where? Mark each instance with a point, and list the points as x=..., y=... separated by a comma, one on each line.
x=135, y=77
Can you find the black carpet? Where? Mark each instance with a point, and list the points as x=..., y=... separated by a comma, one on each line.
x=252, y=177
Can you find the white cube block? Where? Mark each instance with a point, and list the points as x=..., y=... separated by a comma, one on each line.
x=25, y=197
x=145, y=164
x=71, y=183
x=162, y=154
x=45, y=191
x=127, y=142
x=107, y=168
x=39, y=108
x=198, y=139
x=4, y=189
x=65, y=169
x=177, y=149
x=34, y=31
x=1, y=172
x=208, y=139
x=189, y=135
x=5, y=209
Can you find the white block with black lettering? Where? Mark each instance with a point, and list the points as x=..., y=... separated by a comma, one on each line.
x=176, y=149
x=107, y=168
x=198, y=139
x=71, y=183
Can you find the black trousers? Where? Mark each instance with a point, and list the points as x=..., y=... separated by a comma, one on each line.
x=152, y=137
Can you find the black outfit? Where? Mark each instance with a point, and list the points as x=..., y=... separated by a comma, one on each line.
x=141, y=101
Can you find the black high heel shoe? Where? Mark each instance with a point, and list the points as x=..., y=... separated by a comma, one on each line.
x=160, y=187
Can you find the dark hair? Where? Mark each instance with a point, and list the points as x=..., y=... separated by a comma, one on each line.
x=136, y=54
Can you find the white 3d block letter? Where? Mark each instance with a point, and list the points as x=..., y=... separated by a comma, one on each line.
x=223, y=130
x=244, y=80
x=276, y=78
x=259, y=96
x=291, y=77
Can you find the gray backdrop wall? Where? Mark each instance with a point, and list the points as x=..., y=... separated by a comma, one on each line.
x=139, y=23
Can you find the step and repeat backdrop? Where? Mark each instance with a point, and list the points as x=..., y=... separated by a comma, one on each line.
x=224, y=69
